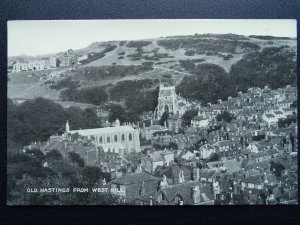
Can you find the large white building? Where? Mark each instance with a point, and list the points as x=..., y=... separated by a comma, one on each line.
x=120, y=139
x=41, y=64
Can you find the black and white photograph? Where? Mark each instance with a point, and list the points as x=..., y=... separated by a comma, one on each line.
x=152, y=112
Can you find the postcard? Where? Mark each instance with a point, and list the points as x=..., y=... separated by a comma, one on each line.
x=152, y=112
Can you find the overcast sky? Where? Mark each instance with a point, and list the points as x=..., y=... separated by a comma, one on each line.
x=37, y=37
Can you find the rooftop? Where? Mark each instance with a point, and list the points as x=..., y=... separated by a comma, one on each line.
x=105, y=130
x=135, y=178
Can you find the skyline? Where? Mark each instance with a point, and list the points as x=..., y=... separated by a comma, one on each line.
x=41, y=37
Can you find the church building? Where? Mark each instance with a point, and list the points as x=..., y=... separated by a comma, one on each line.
x=119, y=138
x=170, y=102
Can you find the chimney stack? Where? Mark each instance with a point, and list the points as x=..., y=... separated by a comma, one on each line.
x=196, y=194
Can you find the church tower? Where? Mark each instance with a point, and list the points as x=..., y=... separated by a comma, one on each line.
x=167, y=101
x=67, y=127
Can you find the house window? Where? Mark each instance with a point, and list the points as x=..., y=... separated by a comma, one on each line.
x=100, y=140
x=108, y=139
x=118, y=187
x=116, y=138
x=130, y=137
x=123, y=137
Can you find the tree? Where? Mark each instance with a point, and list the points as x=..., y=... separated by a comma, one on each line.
x=91, y=174
x=54, y=154
x=38, y=119
x=173, y=145
x=214, y=157
x=225, y=117
x=103, y=199
x=276, y=168
x=187, y=117
x=36, y=153
x=76, y=159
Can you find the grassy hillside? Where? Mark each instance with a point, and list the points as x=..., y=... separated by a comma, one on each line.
x=169, y=59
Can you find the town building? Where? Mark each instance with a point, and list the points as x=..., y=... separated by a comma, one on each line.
x=170, y=102
x=118, y=138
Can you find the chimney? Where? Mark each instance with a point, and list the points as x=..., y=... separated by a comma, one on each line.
x=151, y=122
x=181, y=176
x=196, y=174
x=234, y=187
x=196, y=194
x=215, y=188
x=164, y=182
x=265, y=179
x=165, y=124
x=67, y=127
x=142, y=188
x=151, y=200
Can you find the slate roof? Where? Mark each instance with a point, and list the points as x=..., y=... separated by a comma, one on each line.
x=232, y=165
x=207, y=146
x=207, y=173
x=158, y=156
x=104, y=130
x=270, y=115
x=185, y=191
x=225, y=185
x=278, y=112
x=173, y=171
x=199, y=118
x=223, y=143
x=253, y=180
x=135, y=178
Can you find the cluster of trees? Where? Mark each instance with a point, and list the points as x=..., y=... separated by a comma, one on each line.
x=188, y=116
x=201, y=45
x=138, y=44
x=98, y=55
x=116, y=111
x=214, y=157
x=172, y=145
x=223, y=36
x=65, y=83
x=225, y=116
x=108, y=72
x=93, y=95
x=157, y=56
x=266, y=37
x=142, y=101
x=27, y=171
x=276, y=168
x=126, y=88
x=286, y=122
x=208, y=85
x=38, y=119
x=138, y=95
x=274, y=66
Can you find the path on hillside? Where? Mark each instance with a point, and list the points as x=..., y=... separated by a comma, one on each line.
x=171, y=70
x=52, y=75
